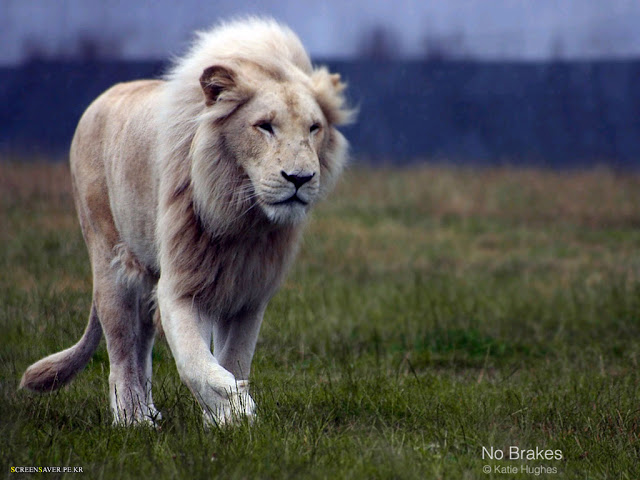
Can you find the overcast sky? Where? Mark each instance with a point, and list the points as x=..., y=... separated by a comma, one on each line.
x=521, y=29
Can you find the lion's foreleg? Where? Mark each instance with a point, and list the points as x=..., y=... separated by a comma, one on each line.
x=188, y=332
x=234, y=341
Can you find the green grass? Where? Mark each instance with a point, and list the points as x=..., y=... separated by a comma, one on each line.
x=431, y=312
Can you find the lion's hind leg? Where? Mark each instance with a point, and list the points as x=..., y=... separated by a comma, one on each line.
x=122, y=299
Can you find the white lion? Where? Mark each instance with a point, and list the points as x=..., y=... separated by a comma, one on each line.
x=193, y=190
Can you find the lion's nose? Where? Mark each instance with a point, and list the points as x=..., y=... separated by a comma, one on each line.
x=296, y=179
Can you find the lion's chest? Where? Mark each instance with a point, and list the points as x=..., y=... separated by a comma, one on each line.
x=228, y=275
x=248, y=276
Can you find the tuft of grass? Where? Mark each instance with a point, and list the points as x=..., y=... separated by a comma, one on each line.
x=432, y=311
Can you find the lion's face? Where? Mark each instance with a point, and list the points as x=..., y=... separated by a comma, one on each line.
x=278, y=135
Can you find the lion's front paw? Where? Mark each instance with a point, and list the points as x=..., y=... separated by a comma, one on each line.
x=231, y=408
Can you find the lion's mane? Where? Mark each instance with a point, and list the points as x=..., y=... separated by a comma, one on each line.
x=228, y=251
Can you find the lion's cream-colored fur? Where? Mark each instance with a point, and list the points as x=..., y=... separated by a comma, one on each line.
x=195, y=189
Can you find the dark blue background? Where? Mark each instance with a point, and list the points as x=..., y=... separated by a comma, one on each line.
x=552, y=114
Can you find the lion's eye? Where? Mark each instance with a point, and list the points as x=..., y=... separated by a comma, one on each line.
x=314, y=128
x=265, y=126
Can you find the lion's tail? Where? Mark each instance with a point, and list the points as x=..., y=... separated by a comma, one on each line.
x=58, y=369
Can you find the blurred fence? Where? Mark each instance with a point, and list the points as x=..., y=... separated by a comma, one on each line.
x=554, y=114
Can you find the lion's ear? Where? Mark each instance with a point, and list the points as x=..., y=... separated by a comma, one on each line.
x=215, y=80
x=329, y=90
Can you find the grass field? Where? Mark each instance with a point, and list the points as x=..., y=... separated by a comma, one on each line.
x=432, y=312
